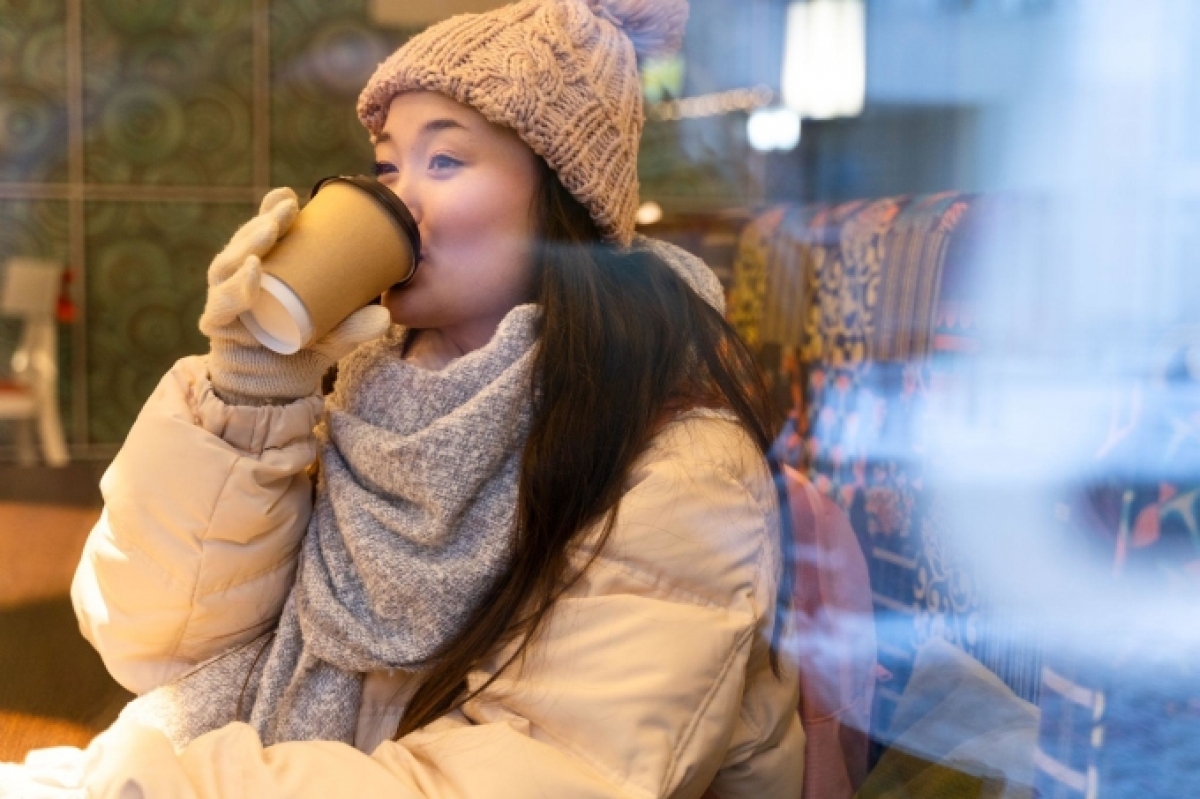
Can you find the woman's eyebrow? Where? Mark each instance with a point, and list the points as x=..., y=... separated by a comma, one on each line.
x=428, y=129
x=436, y=125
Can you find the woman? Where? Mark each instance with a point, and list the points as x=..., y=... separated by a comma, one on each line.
x=543, y=553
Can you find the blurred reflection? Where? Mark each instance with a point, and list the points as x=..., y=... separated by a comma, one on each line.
x=1000, y=389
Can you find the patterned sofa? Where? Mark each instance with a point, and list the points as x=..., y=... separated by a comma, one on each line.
x=865, y=318
x=860, y=311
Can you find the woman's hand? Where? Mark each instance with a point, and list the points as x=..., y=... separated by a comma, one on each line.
x=243, y=371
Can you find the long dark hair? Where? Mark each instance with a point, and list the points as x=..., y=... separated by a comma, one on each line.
x=624, y=345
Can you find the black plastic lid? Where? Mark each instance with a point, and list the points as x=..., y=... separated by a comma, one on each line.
x=394, y=205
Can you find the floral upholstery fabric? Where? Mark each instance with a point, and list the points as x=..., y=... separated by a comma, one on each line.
x=863, y=318
x=861, y=313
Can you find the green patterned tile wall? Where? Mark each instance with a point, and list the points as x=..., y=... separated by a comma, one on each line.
x=33, y=227
x=33, y=90
x=167, y=92
x=136, y=135
x=322, y=53
x=146, y=264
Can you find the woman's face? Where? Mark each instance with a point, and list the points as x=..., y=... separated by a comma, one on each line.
x=470, y=186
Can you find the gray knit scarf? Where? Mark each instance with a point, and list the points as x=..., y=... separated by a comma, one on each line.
x=412, y=525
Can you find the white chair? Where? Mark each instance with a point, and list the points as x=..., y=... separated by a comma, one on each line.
x=29, y=290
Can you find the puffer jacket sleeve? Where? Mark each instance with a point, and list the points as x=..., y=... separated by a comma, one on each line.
x=636, y=687
x=205, y=506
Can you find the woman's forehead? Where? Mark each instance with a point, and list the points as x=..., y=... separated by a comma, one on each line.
x=409, y=112
x=418, y=115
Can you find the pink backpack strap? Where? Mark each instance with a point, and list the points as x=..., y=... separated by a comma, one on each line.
x=834, y=628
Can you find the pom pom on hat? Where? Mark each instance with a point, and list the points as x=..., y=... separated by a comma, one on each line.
x=655, y=27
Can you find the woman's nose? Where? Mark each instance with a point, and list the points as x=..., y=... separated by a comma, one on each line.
x=403, y=189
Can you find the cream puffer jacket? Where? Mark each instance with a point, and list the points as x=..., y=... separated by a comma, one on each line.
x=651, y=678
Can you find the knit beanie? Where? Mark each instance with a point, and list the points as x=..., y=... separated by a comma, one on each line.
x=561, y=73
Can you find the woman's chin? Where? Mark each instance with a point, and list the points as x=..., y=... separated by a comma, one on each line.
x=395, y=306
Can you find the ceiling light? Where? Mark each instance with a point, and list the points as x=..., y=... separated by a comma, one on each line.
x=650, y=213
x=773, y=129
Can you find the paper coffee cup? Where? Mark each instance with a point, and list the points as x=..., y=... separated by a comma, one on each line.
x=353, y=240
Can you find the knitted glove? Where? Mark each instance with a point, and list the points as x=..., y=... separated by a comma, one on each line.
x=243, y=371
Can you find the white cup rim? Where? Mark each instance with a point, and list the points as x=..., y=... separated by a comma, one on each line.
x=278, y=318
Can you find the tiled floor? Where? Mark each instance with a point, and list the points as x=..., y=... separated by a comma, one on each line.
x=54, y=689
x=39, y=547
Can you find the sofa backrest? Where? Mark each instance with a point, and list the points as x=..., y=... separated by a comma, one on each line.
x=861, y=312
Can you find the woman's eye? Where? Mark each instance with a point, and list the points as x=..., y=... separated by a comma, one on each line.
x=443, y=162
x=384, y=168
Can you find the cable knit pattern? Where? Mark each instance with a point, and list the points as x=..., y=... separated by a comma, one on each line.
x=561, y=73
